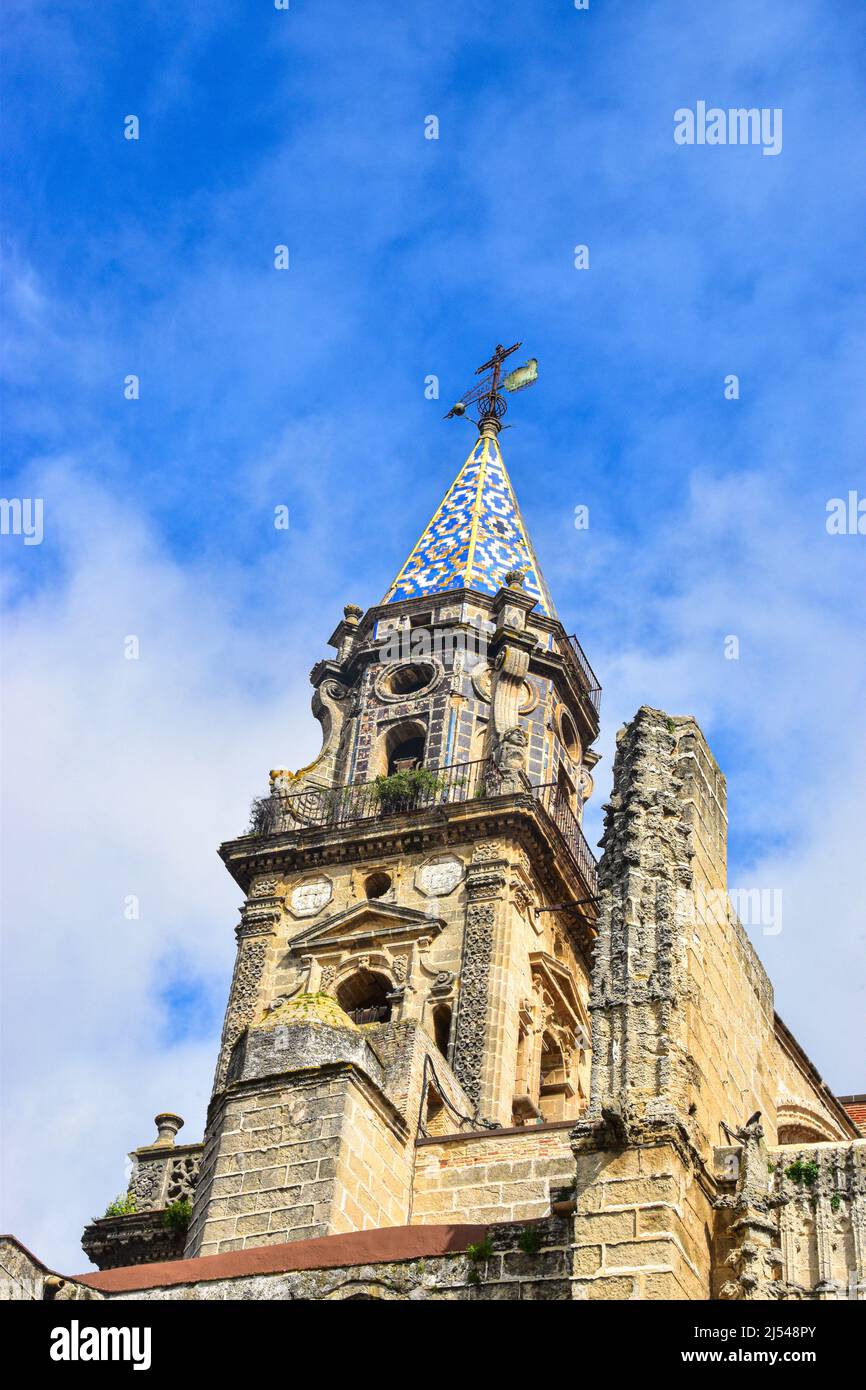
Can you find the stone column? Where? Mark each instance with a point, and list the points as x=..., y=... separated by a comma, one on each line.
x=472, y=1059
x=755, y=1260
x=857, y=1275
x=260, y=917
x=788, y=1240
x=824, y=1243
x=639, y=1060
x=642, y=1197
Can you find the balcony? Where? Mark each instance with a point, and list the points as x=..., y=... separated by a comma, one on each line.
x=455, y=784
x=587, y=679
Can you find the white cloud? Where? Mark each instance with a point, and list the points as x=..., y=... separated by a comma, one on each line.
x=787, y=722
x=121, y=777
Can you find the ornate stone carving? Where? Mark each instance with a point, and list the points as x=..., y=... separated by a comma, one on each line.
x=756, y=1259
x=468, y=1057
x=259, y=917
x=484, y=851
x=263, y=886
x=140, y=1238
x=486, y=884
x=330, y=705
x=440, y=876
x=482, y=684
x=443, y=983
x=522, y=898
x=506, y=774
x=381, y=682
x=145, y=1184
x=511, y=670
x=329, y=975
x=249, y=968
x=182, y=1177
x=307, y=899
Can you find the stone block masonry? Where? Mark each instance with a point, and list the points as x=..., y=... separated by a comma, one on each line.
x=301, y=1158
x=507, y=1175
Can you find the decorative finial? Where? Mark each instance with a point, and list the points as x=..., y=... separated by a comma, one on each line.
x=487, y=396
x=352, y=613
x=515, y=579
x=167, y=1125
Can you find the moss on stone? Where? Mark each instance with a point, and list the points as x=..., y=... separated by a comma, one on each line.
x=308, y=1008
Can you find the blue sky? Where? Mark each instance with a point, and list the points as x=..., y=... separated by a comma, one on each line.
x=408, y=257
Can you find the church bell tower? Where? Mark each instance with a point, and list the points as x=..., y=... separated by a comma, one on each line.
x=420, y=901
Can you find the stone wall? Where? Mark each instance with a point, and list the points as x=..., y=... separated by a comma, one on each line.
x=644, y=1225
x=823, y=1220
x=727, y=996
x=314, y=1133
x=297, y=1158
x=501, y=1176
x=373, y=1176
x=454, y=1263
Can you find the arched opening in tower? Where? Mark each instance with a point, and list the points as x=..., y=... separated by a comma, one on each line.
x=442, y=1027
x=364, y=997
x=401, y=747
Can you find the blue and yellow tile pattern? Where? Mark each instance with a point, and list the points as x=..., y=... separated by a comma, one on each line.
x=476, y=536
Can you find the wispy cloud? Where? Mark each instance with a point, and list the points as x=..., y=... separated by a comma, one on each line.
x=408, y=257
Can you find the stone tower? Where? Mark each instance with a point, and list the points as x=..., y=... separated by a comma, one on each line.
x=458, y=1054
x=413, y=952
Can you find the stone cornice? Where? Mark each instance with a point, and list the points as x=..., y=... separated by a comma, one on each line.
x=444, y=827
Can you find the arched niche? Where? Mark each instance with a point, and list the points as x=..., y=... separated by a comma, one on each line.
x=401, y=746
x=364, y=995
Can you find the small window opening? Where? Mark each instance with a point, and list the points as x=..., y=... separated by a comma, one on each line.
x=442, y=1027
x=377, y=884
x=436, y=1114
x=409, y=679
x=569, y=735
x=565, y=792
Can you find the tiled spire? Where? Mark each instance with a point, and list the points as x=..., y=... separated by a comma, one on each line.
x=476, y=536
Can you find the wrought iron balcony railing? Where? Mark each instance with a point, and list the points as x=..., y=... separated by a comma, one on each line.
x=589, y=680
x=558, y=808
x=391, y=796
x=423, y=789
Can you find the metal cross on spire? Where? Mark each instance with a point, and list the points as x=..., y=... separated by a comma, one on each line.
x=487, y=395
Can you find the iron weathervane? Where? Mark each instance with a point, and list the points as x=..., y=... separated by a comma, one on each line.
x=487, y=394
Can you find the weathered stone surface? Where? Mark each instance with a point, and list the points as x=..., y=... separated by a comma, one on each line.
x=140, y=1238
x=488, y=1074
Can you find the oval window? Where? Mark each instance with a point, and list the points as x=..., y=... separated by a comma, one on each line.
x=409, y=679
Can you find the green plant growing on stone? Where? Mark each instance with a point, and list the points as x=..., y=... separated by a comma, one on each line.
x=529, y=1240
x=402, y=790
x=835, y=1202
x=480, y=1252
x=177, y=1215
x=123, y=1205
x=803, y=1174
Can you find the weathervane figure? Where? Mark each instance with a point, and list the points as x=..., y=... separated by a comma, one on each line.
x=486, y=395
